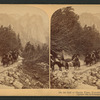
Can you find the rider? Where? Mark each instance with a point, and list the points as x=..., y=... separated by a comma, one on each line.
x=93, y=56
x=76, y=61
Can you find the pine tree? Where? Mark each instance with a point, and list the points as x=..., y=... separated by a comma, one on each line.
x=8, y=40
x=68, y=35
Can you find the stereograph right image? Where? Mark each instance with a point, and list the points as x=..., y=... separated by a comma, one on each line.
x=75, y=48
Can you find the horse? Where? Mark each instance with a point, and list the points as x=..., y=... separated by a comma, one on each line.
x=5, y=60
x=91, y=58
x=97, y=55
x=15, y=55
x=88, y=59
x=9, y=58
x=59, y=63
x=94, y=60
x=75, y=61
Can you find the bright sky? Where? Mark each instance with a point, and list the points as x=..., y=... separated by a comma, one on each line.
x=48, y=8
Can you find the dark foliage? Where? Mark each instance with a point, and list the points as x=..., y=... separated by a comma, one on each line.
x=9, y=40
x=36, y=54
x=36, y=58
x=67, y=33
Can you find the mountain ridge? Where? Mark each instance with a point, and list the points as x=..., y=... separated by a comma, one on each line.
x=29, y=27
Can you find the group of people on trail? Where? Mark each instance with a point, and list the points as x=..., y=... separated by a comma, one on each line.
x=10, y=57
x=61, y=62
x=90, y=58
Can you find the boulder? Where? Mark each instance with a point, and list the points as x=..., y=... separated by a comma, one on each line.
x=93, y=73
x=84, y=79
x=17, y=84
x=56, y=68
x=11, y=80
x=27, y=81
x=7, y=80
x=2, y=79
x=98, y=68
x=77, y=77
x=91, y=80
x=17, y=73
x=65, y=74
x=98, y=75
x=98, y=84
x=15, y=76
x=39, y=84
x=59, y=74
x=70, y=83
x=5, y=73
x=54, y=78
x=10, y=73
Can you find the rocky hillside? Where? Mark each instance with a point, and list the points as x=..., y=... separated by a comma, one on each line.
x=87, y=77
x=14, y=76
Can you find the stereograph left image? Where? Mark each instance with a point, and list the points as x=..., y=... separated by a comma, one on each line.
x=24, y=47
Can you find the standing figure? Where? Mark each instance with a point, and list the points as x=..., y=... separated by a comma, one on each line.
x=93, y=56
x=76, y=62
x=88, y=59
x=5, y=60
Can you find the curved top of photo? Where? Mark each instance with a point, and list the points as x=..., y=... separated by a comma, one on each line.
x=31, y=23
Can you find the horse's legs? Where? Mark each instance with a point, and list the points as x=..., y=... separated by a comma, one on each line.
x=78, y=66
x=6, y=64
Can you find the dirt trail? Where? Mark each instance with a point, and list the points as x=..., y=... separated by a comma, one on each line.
x=85, y=68
x=4, y=68
x=79, y=72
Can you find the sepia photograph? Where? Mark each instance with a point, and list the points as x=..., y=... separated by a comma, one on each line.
x=75, y=48
x=49, y=50
x=24, y=47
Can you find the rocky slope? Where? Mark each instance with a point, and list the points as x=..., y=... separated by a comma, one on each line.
x=87, y=77
x=13, y=77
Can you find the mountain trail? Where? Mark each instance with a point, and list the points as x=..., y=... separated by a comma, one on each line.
x=14, y=65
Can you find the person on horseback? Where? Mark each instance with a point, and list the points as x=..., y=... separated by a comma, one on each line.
x=73, y=56
x=15, y=55
x=5, y=60
x=97, y=55
x=9, y=56
x=76, y=62
x=93, y=56
x=88, y=59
